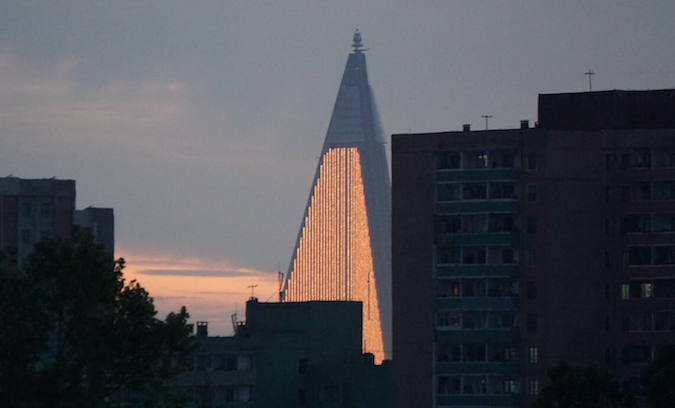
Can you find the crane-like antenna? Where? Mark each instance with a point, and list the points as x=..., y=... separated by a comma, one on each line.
x=252, y=287
x=590, y=73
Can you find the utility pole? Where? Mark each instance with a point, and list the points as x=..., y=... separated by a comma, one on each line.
x=590, y=73
x=486, y=120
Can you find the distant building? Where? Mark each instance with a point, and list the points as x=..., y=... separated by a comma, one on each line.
x=513, y=250
x=100, y=223
x=34, y=209
x=287, y=355
x=343, y=247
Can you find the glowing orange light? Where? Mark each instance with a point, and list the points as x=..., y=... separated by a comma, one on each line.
x=333, y=260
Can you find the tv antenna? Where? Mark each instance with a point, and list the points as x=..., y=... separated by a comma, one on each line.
x=486, y=117
x=590, y=73
x=252, y=287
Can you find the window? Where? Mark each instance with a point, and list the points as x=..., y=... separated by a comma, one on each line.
x=637, y=223
x=449, y=192
x=26, y=209
x=474, y=223
x=25, y=236
x=531, y=257
x=331, y=393
x=500, y=353
x=448, y=288
x=45, y=210
x=472, y=255
x=449, y=255
x=607, y=227
x=531, y=290
x=641, y=158
x=606, y=259
x=532, y=355
x=449, y=160
x=608, y=324
x=475, y=385
x=507, y=256
x=473, y=287
x=501, y=223
x=664, y=223
x=664, y=190
x=449, y=353
x=531, y=224
x=625, y=291
x=641, y=321
x=664, y=158
x=531, y=192
x=449, y=319
x=481, y=160
x=302, y=397
x=509, y=387
x=532, y=161
x=639, y=255
x=473, y=320
x=473, y=353
x=625, y=194
x=449, y=385
x=474, y=191
x=531, y=322
x=303, y=366
x=664, y=255
x=500, y=190
x=664, y=320
x=607, y=195
x=532, y=387
x=450, y=224
x=664, y=288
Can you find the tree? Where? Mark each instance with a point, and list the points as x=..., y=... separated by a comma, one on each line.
x=659, y=379
x=73, y=332
x=582, y=387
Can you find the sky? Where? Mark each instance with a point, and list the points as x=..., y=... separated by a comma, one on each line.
x=201, y=122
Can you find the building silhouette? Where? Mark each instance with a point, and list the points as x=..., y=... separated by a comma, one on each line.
x=515, y=249
x=35, y=209
x=343, y=248
x=284, y=355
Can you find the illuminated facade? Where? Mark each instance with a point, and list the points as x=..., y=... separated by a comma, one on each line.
x=343, y=247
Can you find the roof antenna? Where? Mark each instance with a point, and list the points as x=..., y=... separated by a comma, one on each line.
x=590, y=73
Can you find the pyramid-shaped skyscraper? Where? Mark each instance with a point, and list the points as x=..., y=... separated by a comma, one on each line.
x=343, y=247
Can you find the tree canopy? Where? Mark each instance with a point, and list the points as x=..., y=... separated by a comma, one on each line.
x=659, y=379
x=582, y=387
x=73, y=332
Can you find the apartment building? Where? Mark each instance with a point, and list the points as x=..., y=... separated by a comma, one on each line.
x=515, y=249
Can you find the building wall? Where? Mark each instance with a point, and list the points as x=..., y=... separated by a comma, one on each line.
x=587, y=204
x=294, y=355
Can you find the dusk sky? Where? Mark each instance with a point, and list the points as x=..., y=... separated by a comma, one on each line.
x=201, y=122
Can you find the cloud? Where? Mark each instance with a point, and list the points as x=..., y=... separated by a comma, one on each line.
x=211, y=289
x=186, y=272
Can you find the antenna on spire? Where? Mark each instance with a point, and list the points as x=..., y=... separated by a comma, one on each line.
x=356, y=42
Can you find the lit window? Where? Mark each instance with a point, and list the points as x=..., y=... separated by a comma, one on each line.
x=625, y=291
x=532, y=355
x=646, y=290
x=509, y=387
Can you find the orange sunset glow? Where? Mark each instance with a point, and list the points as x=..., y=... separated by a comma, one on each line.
x=210, y=289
